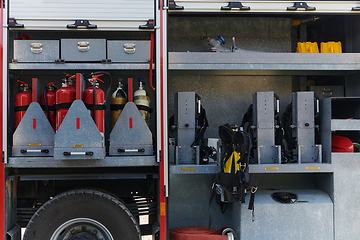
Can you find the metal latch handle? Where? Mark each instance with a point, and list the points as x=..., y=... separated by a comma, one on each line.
x=36, y=47
x=83, y=46
x=34, y=150
x=78, y=153
x=129, y=48
x=81, y=23
x=232, y=5
x=303, y=5
x=131, y=150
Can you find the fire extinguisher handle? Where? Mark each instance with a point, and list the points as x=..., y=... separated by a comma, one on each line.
x=22, y=82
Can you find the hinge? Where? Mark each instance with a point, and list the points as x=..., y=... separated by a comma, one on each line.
x=3, y=156
x=159, y=155
x=173, y=6
x=164, y=190
x=148, y=25
x=13, y=24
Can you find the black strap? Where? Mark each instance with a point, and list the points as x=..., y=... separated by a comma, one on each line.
x=21, y=108
x=213, y=192
x=144, y=108
x=252, y=200
x=62, y=105
x=97, y=107
x=116, y=107
x=51, y=108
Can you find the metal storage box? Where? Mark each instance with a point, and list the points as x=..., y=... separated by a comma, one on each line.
x=83, y=50
x=36, y=50
x=128, y=51
x=310, y=217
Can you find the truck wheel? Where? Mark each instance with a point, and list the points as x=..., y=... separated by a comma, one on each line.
x=83, y=215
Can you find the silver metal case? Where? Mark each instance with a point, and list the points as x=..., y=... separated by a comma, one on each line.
x=36, y=50
x=83, y=50
x=128, y=51
x=312, y=211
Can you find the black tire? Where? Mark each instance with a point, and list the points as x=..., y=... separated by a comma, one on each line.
x=356, y=147
x=94, y=208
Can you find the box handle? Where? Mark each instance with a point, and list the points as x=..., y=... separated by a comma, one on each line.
x=36, y=47
x=83, y=46
x=129, y=48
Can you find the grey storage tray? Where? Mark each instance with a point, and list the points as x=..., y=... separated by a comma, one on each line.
x=36, y=50
x=128, y=51
x=83, y=50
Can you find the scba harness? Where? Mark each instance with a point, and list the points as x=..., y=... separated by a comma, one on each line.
x=232, y=183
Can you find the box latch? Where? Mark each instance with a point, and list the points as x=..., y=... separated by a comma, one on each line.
x=129, y=48
x=36, y=47
x=83, y=46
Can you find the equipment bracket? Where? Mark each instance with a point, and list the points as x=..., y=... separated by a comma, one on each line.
x=173, y=6
x=82, y=23
x=148, y=25
x=106, y=61
x=60, y=61
x=301, y=5
x=238, y=5
x=13, y=24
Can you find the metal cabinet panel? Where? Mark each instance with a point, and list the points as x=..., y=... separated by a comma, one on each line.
x=128, y=51
x=83, y=50
x=226, y=6
x=57, y=14
x=36, y=50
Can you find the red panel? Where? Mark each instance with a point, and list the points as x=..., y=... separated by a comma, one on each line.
x=34, y=123
x=34, y=89
x=130, y=90
x=78, y=86
x=77, y=123
x=162, y=198
x=130, y=123
x=2, y=166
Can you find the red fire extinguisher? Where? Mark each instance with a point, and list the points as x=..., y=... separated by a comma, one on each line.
x=64, y=98
x=48, y=103
x=89, y=99
x=22, y=102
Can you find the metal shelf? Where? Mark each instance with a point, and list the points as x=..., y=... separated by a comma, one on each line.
x=345, y=125
x=50, y=162
x=254, y=168
x=265, y=63
x=211, y=168
x=78, y=66
x=291, y=168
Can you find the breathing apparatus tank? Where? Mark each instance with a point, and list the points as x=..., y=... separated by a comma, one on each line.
x=64, y=98
x=22, y=102
x=118, y=100
x=48, y=103
x=142, y=101
x=95, y=103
